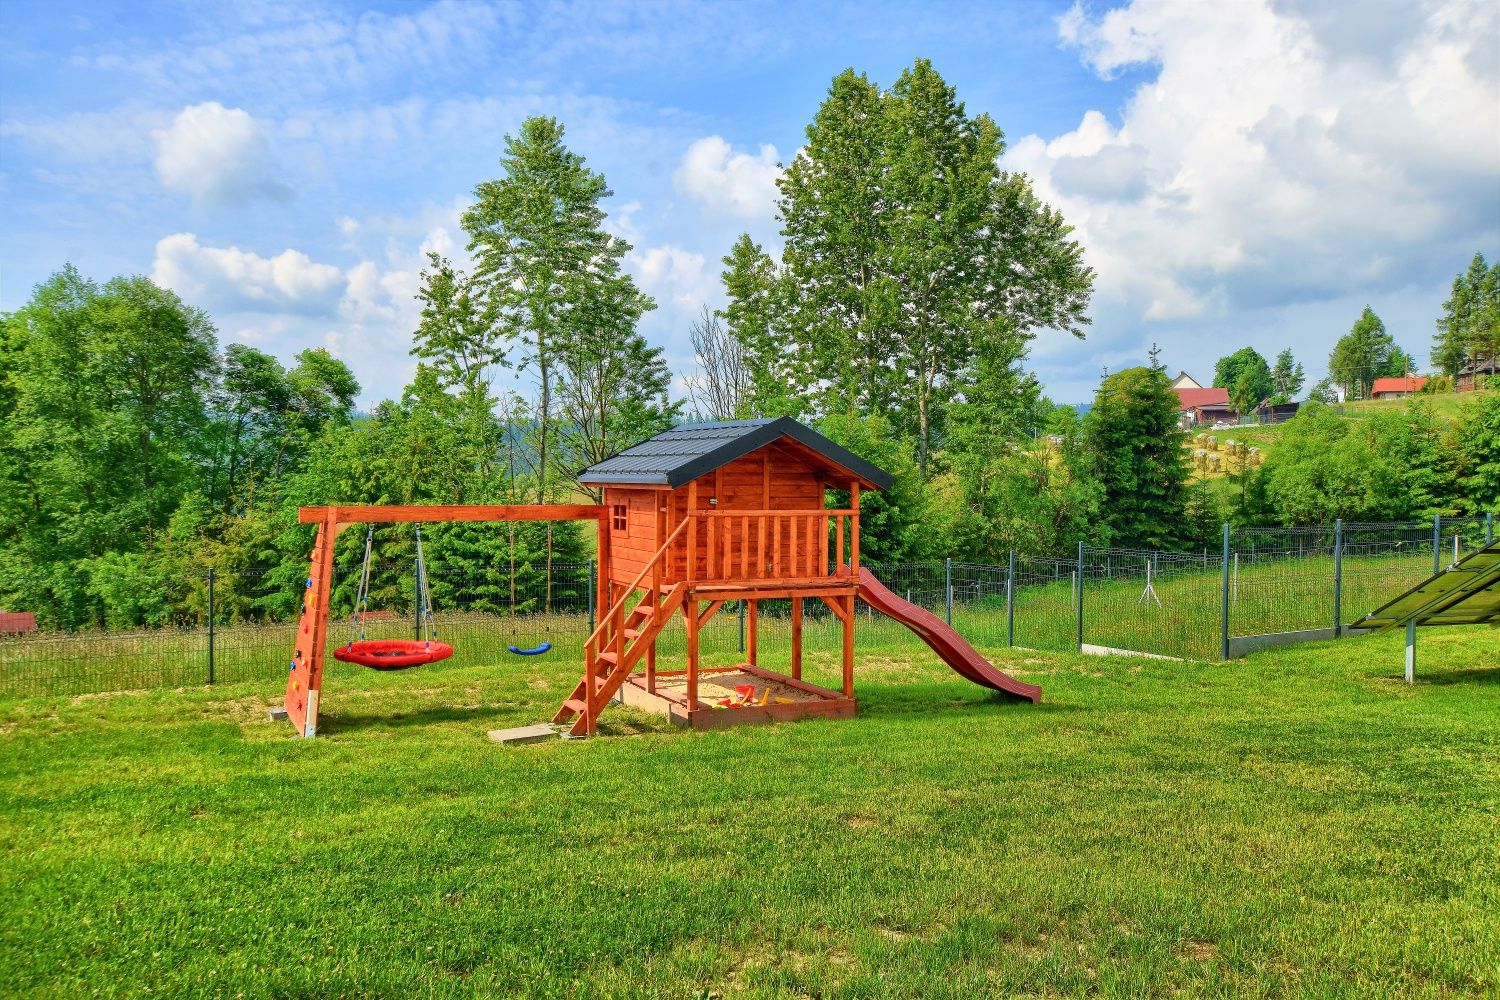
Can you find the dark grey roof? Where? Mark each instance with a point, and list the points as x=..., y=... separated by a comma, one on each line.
x=688, y=451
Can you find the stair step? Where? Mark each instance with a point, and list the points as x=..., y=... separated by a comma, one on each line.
x=576, y=704
x=631, y=634
x=608, y=656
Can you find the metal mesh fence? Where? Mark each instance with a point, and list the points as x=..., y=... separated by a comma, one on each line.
x=240, y=626
x=1152, y=602
x=236, y=643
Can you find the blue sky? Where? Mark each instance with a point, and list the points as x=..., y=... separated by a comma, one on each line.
x=1240, y=173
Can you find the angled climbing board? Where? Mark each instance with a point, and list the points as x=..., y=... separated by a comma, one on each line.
x=305, y=670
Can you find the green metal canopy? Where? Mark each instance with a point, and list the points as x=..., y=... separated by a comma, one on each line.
x=1466, y=593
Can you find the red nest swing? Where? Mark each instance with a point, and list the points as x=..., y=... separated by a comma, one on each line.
x=394, y=654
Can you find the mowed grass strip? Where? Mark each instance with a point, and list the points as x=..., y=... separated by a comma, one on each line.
x=1299, y=824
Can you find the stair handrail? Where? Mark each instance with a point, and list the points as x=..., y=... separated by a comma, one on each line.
x=619, y=605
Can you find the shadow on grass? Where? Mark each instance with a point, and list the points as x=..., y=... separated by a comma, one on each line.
x=924, y=700
x=1475, y=675
x=344, y=722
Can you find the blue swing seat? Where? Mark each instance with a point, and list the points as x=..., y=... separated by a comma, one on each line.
x=534, y=651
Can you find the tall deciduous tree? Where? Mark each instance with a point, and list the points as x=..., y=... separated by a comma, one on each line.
x=1136, y=447
x=906, y=245
x=538, y=237
x=612, y=384
x=773, y=365
x=1247, y=377
x=459, y=333
x=108, y=391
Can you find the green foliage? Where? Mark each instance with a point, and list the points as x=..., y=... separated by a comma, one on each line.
x=106, y=390
x=1469, y=328
x=1014, y=491
x=1318, y=473
x=548, y=269
x=907, y=249
x=895, y=524
x=1287, y=378
x=1135, y=444
x=1365, y=353
x=1247, y=377
x=751, y=285
x=1478, y=455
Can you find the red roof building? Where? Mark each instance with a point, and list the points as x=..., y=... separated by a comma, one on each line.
x=1189, y=398
x=1395, y=388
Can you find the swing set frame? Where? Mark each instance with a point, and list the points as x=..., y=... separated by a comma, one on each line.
x=305, y=675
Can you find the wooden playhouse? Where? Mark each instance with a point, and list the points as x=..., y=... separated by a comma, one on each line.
x=711, y=513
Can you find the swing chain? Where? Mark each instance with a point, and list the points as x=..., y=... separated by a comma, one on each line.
x=362, y=595
x=424, y=595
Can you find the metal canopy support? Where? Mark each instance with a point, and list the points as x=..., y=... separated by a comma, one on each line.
x=1411, y=651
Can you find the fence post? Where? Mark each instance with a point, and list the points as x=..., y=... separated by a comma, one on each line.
x=1010, y=601
x=592, y=623
x=1437, y=544
x=1079, y=577
x=1224, y=601
x=210, y=625
x=948, y=591
x=1489, y=528
x=1338, y=578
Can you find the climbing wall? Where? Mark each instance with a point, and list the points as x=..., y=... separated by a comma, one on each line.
x=305, y=669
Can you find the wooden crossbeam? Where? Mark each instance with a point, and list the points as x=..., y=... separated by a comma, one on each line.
x=380, y=514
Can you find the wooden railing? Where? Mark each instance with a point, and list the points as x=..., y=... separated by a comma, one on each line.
x=613, y=620
x=753, y=545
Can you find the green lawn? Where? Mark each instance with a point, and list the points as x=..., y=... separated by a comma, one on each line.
x=1301, y=823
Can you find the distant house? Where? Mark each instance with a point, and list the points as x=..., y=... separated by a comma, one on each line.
x=1468, y=376
x=1275, y=413
x=1395, y=388
x=1185, y=381
x=1204, y=406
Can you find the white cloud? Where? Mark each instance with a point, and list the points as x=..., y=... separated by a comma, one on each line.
x=728, y=183
x=217, y=154
x=678, y=279
x=1263, y=166
x=233, y=279
x=364, y=314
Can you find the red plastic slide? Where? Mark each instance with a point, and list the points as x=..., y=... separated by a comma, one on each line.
x=946, y=643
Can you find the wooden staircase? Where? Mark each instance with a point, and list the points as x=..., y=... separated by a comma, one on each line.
x=613, y=656
x=620, y=642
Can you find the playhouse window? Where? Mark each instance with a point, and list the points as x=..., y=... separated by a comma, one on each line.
x=617, y=518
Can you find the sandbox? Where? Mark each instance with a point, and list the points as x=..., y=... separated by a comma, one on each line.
x=775, y=698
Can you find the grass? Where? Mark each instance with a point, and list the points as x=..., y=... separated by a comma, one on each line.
x=1301, y=824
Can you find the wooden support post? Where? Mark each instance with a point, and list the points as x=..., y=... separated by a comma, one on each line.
x=854, y=530
x=692, y=531
x=753, y=631
x=797, y=638
x=690, y=610
x=849, y=648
